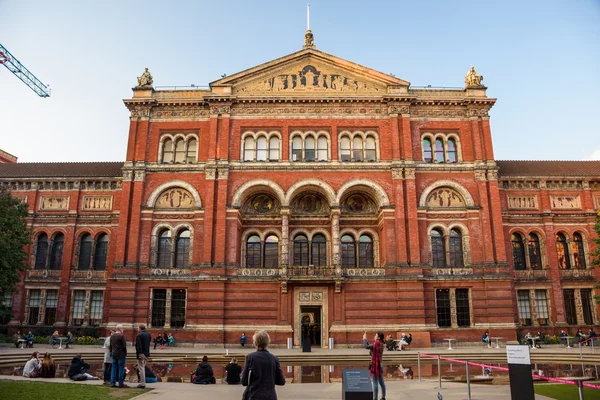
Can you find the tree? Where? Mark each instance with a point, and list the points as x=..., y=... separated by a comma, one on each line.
x=14, y=236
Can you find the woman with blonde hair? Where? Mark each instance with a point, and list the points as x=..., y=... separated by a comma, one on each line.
x=48, y=367
x=261, y=371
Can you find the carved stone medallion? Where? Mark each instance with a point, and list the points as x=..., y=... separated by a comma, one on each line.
x=175, y=198
x=358, y=204
x=261, y=204
x=445, y=197
x=310, y=203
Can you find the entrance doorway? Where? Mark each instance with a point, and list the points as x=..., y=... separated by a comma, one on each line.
x=310, y=324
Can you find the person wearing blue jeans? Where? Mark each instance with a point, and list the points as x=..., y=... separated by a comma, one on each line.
x=118, y=350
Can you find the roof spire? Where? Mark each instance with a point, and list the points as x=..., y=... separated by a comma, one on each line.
x=309, y=40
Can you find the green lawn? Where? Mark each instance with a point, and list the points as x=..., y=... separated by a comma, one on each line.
x=566, y=392
x=63, y=391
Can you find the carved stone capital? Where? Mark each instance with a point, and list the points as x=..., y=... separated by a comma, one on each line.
x=222, y=173
x=140, y=112
x=492, y=175
x=397, y=173
x=127, y=176
x=140, y=176
x=210, y=173
x=480, y=175
x=220, y=109
x=477, y=112
x=395, y=109
x=409, y=173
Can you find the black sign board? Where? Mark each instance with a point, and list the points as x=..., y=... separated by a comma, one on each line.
x=306, y=345
x=356, y=384
x=519, y=372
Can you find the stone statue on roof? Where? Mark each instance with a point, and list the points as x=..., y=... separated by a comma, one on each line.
x=473, y=79
x=145, y=80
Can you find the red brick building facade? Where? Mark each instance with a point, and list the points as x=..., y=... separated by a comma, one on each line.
x=314, y=197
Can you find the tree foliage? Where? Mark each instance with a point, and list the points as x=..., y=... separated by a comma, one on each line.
x=14, y=236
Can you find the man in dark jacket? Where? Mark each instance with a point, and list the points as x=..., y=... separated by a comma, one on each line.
x=261, y=371
x=79, y=367
x=118, y=350
x=233, y=372
x=142, y=353
x=204, y=373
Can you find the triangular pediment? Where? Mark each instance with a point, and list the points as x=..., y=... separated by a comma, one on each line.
x=310, y=72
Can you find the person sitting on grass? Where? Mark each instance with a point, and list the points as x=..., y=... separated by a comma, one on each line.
x=33, y=366
x=78, y=371
x=48, y=367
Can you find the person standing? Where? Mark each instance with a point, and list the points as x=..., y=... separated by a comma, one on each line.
x=233, y=372
x=376, y=363
x=107, y=359
x=118, y=350
x=261, y=371
x=142, y=353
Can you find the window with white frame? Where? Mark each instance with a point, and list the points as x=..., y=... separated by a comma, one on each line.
x=78, y=307
x=173, y=248
x=51, y=304
x=309, y=146
x=447, y=250
x=34, y=306
x=179, y=148
x=524, y=307
x=541, y=307
x=440, y=148
x=261, y=146
x=358, y=146
x=168, y=314
x=96, y=305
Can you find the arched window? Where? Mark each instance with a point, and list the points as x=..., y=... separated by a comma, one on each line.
x=180, y=151
x=578, y=251
x=319, y=251
x=345, y=149
x=439, y=151
x=101, y=252
x=427, y=151
x=300, y=251
x=309, y=149
x=322, y=149
x=452, y=151
x=357, y=149
x=518, y=250
x=562, y=252
x=456, y=249
x=297, y=148
x=164, y=249
x=274, y=149
x=85, y=251
x=41, y=253
x=261, y=149
x=271, y=254
x=57, y=252
x=370, y=151
x=535, y=254
x=167, y=155
x=192, y=150
x=253, y=252
x=348, y=252
x=365, y=252
x=249, y=149
x=438, y=251
x=182, y=249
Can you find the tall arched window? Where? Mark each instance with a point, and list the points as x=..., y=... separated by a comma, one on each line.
x=518, y=250
x=578, y=251
x=456, y=249
x=427, y=151
x=41, y=253
x=249, y=149
x=261, y=149
x=322, y=149
x=345, y=149
x=274, y=149
x=452, y=151
x=164, y=249
x=365, y=252
x=319, y=251
x=439, y=151
x=300, y=251
x=438, y=251
x=348, y=252
x=562, y=252
x=182, y=249
x=309, y=149
x=535, y=253
x=357, y=149
x=167, y=155
x=271, y=253
x=85, y=251
x=180, y=151
x=253, y=252
x=192, y=150
x=297, y=148
x=101, y=252
x=370, y=149
x=57, y=252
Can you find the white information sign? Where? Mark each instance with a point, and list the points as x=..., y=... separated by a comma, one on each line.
x=518, y=354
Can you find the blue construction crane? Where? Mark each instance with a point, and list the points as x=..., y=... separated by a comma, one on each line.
x=23, y=73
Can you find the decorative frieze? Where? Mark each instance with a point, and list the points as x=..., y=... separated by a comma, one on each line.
x=258, y=272
x=22, y=199
x=570, y=274
x=521, y=185
x=426, y=112
x=220, y=109
x=565, y=202
x=453, y=271
x=60, y=185
x=97, y=203
x=564, y=185
x=527, y=202
x=356, y=109
x=54, y=203
x=166, y=272
x=444, y=197
x=531, y=274
x=179, y=112
x=364, y=272
x=175, y=198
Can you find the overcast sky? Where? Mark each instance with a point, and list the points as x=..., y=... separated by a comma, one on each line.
x=540, y=59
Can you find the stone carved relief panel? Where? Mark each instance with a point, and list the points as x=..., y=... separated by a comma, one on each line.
x=261, y=204
x=54, y=203
x=358, y=204
x=309, y=78
x=522, y=202
x=445, y=197
x=565, y=202
x=175, y=198
x=596, y=202
x=22, y=199
x=97, y=203
x=310, y=203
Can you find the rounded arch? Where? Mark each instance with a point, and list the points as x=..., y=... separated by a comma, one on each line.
x=442, y=228
x=446, y=183
x=250, y=187
x=274, y=134
x=251, y=232
x=58, y=231
x=381, y=195
x=178, y=228
x=39, y=231
x=158, y=228
x=563, y=232
x=369, y=232
x=300, y=231
x=536, y=231
x=461, y=227
x=518, y=230
x=320, y=231
x=350, y=232
x=101, y=231
x=271, y=232
x=82, y=231
x=174, y=184
x=317, y=184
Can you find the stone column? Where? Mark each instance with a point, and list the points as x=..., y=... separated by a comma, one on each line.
x=453, y=317
x=168, y=310
x=42, y=312
x=335, y=239
x=86, y=309
x=533, y=305
x=285, y=240
x=579, y=307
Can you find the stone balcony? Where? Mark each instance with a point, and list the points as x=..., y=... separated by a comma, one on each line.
x=576, y=274
x=532, y=274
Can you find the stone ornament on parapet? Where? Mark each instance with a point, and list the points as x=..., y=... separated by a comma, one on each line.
x=145, y=81
x=473, y=79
